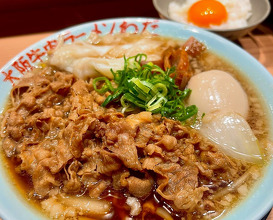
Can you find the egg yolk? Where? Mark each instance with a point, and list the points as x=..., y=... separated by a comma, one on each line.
x=205, y=13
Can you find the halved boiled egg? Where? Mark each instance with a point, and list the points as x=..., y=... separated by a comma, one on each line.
x=225, y=104
x=217, y=90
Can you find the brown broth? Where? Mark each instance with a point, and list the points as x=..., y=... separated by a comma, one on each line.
x=20, y=182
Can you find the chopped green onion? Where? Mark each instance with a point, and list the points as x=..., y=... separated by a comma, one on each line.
x=139, y=84
x=157, y=104
x=147, y=87
x=106, y=87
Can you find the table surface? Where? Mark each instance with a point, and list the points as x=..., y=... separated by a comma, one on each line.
x=259, y=45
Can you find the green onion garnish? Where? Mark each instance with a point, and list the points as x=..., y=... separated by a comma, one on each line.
x=147, y=87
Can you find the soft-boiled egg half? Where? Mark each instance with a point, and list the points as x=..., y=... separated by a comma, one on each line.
x=217, y=90
x=225, y=104
x=217, y=14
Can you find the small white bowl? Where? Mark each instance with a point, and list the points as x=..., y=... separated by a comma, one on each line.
x=261, y=9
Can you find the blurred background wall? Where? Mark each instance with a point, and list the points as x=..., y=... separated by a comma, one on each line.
x=31, y=16
x=19, y=17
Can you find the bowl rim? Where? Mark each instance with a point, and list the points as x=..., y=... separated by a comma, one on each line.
x=165, y=14
x=195, y=31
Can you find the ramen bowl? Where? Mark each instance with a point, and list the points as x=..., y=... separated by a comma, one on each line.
x=259, y=201
x=260, y=11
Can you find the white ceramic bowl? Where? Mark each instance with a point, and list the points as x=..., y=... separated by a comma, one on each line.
x=259, y=201
x=261, y=9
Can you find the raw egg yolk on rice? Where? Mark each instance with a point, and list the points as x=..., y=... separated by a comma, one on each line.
x=207, y=12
